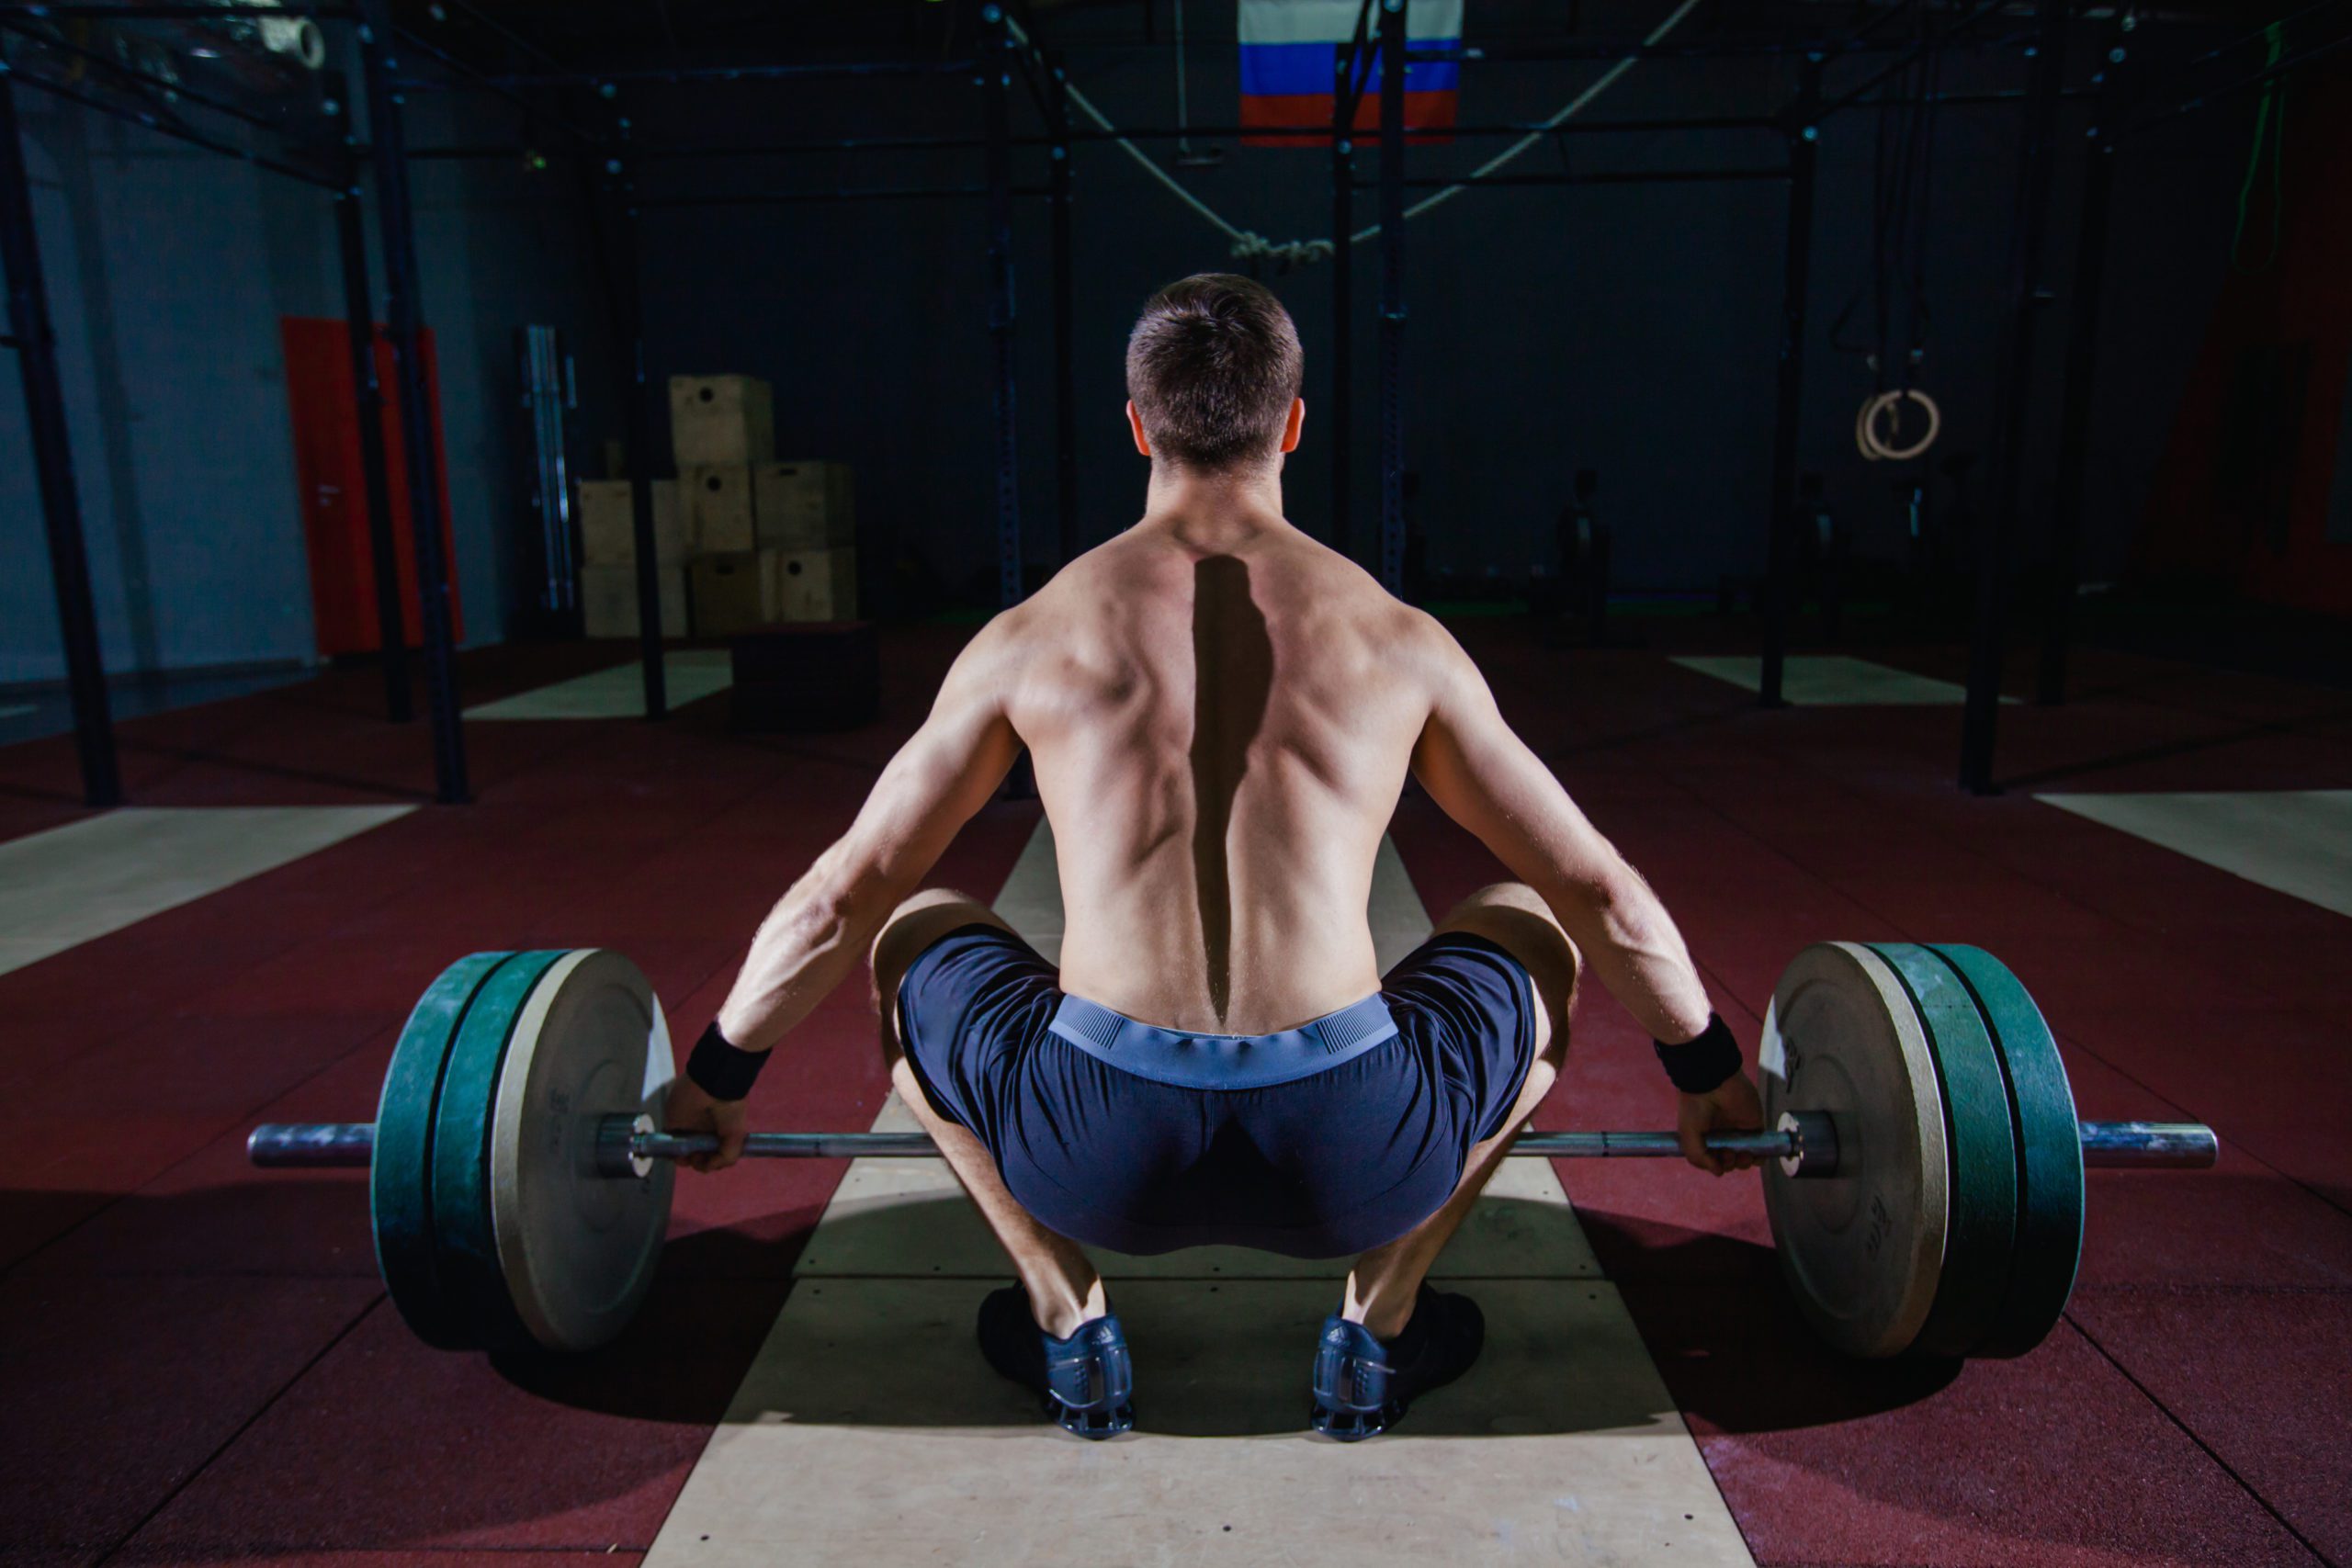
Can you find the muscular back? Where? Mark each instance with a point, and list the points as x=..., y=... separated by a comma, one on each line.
x=1220, y=722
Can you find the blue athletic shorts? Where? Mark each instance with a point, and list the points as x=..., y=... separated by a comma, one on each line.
x=1319, y=1142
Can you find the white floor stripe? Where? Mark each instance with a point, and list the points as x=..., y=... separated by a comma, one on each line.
x=868, y=1429
x=688, y=675
x=70, y=884
x=1832, y=681
x=15, y=710
x=2297, y=842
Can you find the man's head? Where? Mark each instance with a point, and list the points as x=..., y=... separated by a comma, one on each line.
x=1214, y=369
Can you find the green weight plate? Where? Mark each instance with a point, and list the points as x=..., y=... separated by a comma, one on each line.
x=579, y=1247
x=1980, y=1255
x=2050, y=1148
x=1863, y=1250
x=467, y=1250
x=400, y=1177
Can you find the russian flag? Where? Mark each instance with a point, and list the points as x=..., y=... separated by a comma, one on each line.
x=1290, y=62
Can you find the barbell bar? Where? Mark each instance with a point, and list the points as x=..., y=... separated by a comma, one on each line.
x=1807, y=1138
x=520, y=1175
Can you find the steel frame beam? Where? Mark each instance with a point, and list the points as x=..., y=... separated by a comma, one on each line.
x=2097, y=201
x=397, y=233
x=367, y=397
x=60, y=502
x=996, y=74
x=1392, y=295
x=2013, y=398
x=1059, y=194
x=1788, y=413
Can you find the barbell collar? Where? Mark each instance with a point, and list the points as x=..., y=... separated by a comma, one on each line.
x=2148, y=1146
x=311, y=1145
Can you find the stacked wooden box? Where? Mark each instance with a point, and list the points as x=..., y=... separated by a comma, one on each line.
x=773, y=541
x=608, y=557
x=756, y=540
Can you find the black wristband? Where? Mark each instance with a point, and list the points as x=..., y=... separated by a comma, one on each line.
x=719, y=1069
x=1701, y=1065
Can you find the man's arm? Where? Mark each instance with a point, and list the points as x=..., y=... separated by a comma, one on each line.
x=1485, y=777
x=819, y=932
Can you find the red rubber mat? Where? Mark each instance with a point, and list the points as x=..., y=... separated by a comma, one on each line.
x=116, y=1394
x=2178, y=991
x=190, y=1343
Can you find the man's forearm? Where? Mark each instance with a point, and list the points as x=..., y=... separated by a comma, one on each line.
x=1633, y=946
x=815, y=937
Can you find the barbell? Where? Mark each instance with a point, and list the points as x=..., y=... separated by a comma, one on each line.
x=1924, y=1177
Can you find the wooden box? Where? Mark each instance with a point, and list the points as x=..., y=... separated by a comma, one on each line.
x=608, y=600
x=608, y=523
x=733, y=590
x=721, y=419
x=816, y=585
x=805, y=506
x=718, y=504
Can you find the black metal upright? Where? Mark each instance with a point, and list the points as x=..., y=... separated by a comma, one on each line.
x=624, y=246
x=1803, y=129
x=60, y=503
x=1340, y=424
x=368, y=395
x=996, y=93
x=2064, y=562
x=396, y=226
x=1057, y=192
x=1392, y=295
x=2013, y=397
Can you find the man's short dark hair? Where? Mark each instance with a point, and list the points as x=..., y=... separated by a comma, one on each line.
x=1214, y=365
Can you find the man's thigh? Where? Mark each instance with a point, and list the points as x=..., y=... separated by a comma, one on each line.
x=912, y=929
x=1514, y=918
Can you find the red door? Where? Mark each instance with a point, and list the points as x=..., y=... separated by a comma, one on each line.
x=335, y=492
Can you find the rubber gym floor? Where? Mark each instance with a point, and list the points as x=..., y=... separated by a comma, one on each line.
x=197, y=1363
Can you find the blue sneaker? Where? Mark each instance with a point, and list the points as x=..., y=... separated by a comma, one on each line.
x=1362, y=1384
x=1086, y=1381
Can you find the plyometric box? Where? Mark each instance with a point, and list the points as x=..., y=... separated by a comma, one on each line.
x=805, y=506
x=608, y=600
x=721, y=419
x=718, y=500
x=608, y=523
x=736, y=591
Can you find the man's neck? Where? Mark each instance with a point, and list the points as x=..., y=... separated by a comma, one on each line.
x=1215, y=510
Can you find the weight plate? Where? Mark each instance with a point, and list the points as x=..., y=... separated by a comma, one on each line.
x=1980, y=1251
x=2050, y=1147
x=578, y=1248
x=399, y=1176
x=1862, y=1250
x=462, y=1230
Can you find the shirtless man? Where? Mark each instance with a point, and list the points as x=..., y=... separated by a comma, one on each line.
x=1220, y=712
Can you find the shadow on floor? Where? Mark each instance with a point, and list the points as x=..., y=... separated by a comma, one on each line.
x=1727, y=1337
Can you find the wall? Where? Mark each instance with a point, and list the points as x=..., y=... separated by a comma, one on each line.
x=168, y=268
x=1630, y=328
x=2255, y=483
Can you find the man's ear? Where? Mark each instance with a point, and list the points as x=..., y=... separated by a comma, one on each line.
x=1135, y=423
x=1291, y=426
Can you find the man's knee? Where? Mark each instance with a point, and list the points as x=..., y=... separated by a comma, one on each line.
x=1514, y=918
x=914, y=925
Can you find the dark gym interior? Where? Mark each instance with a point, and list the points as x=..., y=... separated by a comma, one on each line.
x=497, y=475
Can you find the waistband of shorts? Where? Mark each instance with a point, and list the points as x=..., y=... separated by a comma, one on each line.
x=1222, y=1061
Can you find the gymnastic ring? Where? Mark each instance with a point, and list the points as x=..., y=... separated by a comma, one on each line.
x=1866, y=426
